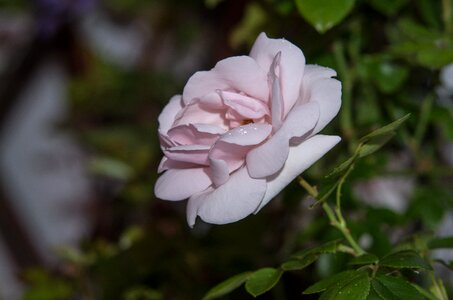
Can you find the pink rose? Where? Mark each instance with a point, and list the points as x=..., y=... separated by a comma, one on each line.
x=244, y=130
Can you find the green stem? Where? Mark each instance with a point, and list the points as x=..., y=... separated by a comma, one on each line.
x=308, y=187
x=347, y=234
x=342, y=227
x=330, y=214
x=338, y=194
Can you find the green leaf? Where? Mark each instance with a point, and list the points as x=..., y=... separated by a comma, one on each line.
x=356, y=287
x=397, y=287
x=369, y=144
x=404, y=259
x=227, y=286
x=324, y=14
x=324, y=284
x=342, y=167
x=299, y=264
x=385, y=129
x=382, y=291
x=375, y=144
x=445, y=242
x=262, y=281
x=364, y=259
x=329, y=247
x=373, y=295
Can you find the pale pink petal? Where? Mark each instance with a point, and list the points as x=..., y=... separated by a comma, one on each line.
x=179, y=184
x=219, y=171
x=233, y=155
x=236, y=199
x=208, y=128
x=270, y=157
x=166, y=164
x=247, y=107
x=196, y=113
x=317, y=86
x=196, y=154
x=250, y=134
x=201, y=134
x=277, y=103
x=165, y=141
x=168, y=114
x=300, y=158
x=228, y=153
x=291, y=67
x=315, y=72
x=239, y=73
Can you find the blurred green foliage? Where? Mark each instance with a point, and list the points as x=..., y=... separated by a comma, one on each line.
x=387, y=54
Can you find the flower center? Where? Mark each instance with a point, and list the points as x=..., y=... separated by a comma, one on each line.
x=246, y=121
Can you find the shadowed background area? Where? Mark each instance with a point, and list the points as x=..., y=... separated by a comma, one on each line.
x=83, y=82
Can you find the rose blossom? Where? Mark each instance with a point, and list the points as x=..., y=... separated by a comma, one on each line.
x=244, y=130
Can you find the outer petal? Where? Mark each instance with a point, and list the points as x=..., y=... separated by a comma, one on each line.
x=201, y=134
x=239, y=73
x=179, y=184
x=291, y=65
x=168, y=114
x=300, y=158
x=317, y=86
x=220, y=172
x=236, y=199
x=250, y=134
x=196, y=154
x=166, y=164
x=269, y=158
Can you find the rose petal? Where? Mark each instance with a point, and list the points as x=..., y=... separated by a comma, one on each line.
x=315, y=72
x=201, y=134
x=195, y=112
x=236, y=199
x=208, y=128
x=247, y=107
x=318, y=87
x=196, y=154
x=179, y=184
x=291, y=65
x=220, y=172
x=233, y=155
x=168, y=114
x=270, y=157
x=166, y=164
x=277, y=104
x=300, y=158
x=239, y=73
x=250, y=134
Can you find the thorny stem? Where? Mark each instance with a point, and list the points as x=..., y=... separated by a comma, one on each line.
x=336, y=218
x=343, y=228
